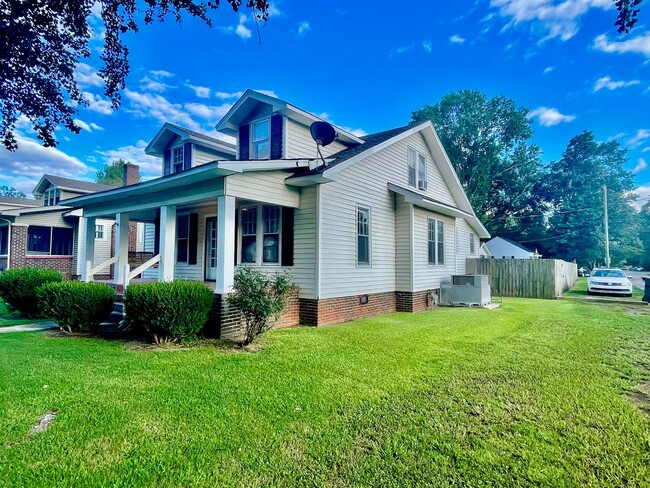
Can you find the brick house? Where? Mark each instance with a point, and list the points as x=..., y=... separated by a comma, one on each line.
x=44, y=233
x=365, y=224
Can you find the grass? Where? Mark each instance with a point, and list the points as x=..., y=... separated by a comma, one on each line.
x=528, y=394
x=580, y=290
x=8, y=318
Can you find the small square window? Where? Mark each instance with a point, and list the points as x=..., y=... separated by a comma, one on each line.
x=99, y=231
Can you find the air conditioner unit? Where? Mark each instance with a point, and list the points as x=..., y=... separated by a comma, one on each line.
x=466, y=290
x=422, y=184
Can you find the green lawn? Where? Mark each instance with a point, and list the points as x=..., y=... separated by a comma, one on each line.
x=580, y=290
x=528, y=394
x=7, y=318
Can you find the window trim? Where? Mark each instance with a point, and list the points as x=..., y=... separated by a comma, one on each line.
x=179, y=215
x=368, y=209
x=251, y=151
x=172, y=163
x=472, y=243
x=103, y=232
x=436, y=242
x=259, y=235
x=51, y=196
x=36, y=254
x=418, y=176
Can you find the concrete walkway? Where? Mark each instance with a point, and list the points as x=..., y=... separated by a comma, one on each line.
x=29, y=327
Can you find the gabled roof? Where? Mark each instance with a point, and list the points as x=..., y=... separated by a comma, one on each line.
x=251, y=99
x=69, y=184
x=168, y=131
x=19, y=202
x=516, y=244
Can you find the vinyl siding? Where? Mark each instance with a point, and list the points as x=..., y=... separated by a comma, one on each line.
x=463, y=233
x=403, y=247
x=195, y=272
x=202, y=155
x=149, y=246
x=264, y=186
x=102, y=246
x=426, y=276
x=304, y=244
x=299, y=143
x=52, y=219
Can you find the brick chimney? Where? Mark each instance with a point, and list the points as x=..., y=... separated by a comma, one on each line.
x=131, y=174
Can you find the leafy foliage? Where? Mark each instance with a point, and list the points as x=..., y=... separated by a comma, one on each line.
x=10, y=191
x=111, y=174
x=42, y=42
x=259, y=297
x=175, y=310
x=627, y=14
x=488, y=142
x=76, y=306
x=644, y=221
x=574, y=186
x=19, y=287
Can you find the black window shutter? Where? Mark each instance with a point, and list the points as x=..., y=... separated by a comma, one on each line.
x=194, y=238
x=244, y=137
x=187, y=155
x=156, y=234
x=236, y=233
x=168, y=161
x=276, y=137
x=287, y=236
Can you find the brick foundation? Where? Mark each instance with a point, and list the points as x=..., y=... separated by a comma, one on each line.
x=19, y=258
x=418, y=301
x=343, y=309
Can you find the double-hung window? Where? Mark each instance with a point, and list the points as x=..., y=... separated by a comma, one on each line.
x=177, y=159
x=261, y=139
x=53, y=241
x=472, y=243
x=248, y=235
x=436, y=242
x=182, y=238
x=417, y=164
x=363, y=236
x=271, y=238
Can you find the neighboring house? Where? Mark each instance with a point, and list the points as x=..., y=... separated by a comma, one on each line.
x=47, y=234
x=502, y=248
x=10, y=203
x=373, y=228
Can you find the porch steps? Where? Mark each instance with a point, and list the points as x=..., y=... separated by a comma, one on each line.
x=117, y=314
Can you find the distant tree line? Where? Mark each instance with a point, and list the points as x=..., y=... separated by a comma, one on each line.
x=557, y=207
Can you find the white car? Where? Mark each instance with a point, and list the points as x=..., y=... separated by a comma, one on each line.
x=609, y=282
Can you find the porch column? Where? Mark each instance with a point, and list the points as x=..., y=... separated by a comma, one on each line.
x=88, y=248
x=226, y=235
x=121, y=246
x=167, y=243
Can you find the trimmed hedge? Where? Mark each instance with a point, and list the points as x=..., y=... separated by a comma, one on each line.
x=18, y=288
x=175, y=310
x=76, y=306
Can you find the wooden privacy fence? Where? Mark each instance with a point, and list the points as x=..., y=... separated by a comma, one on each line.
x=527, y=278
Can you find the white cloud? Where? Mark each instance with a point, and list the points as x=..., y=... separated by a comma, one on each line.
x=23, y=168
x=147, y=105
x=241, y=30
x=556, y=18
x=426, y=45
x=95, y=126
x=646, y=149
x=86, y=76
x=83, y=125
x=159, y=74
x=211, y=113
x=640, y=166
x=149, y=166
x=270, y=93
x=548, y=69
x=639, y=138
x=200, y=91
x=357, y=132
x=226, y=95
x=639, y=44
x=607, y=82
x=399, y=50
x=456, y=39
x=98, y=104
x=148, y=84
x=643, y=196
x=303, y=28
x=548, y=117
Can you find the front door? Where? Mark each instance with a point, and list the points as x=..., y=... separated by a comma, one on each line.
x=211, y=248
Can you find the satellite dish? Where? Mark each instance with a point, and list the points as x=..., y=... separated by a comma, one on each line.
x=323, y=133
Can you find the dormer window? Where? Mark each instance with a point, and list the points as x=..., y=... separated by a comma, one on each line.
x=51, y=197
x=417, y=163
x=261, y=139
x=177, y=159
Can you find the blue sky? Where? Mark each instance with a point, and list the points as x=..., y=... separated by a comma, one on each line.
x=365, y=66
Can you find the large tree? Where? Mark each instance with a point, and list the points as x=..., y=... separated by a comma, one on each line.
x=488, y=142
x=644, y=226
x=575, y=185
x=10, y=191
x=42, y=42
x=111, y=174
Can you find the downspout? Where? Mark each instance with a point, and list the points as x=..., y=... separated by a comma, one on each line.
x=8, y=242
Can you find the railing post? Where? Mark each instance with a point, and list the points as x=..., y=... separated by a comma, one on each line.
x=87, y=276
x=127, y=272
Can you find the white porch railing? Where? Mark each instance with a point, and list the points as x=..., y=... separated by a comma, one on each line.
x=90, y=271
x=129, y=275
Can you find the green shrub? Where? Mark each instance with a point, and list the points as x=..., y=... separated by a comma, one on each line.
x=18, y=288
x=76, y=306
x=175, y=310
x=259, y=297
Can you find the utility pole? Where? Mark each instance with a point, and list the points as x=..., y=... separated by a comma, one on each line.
x=607, y=260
